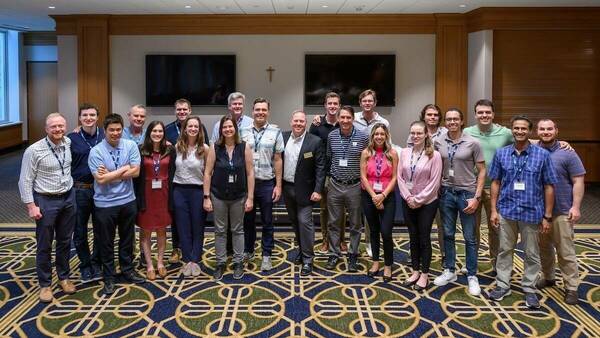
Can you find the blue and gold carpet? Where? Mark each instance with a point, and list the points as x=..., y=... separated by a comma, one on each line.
x=283, y=304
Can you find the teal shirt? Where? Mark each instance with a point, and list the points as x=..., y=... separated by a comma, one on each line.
x=498, y=137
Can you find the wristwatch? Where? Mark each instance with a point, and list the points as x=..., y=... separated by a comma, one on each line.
x=548, y=218
x=478, y=198
x=206, y=197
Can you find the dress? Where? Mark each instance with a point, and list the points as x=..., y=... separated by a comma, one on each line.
x=156, y=216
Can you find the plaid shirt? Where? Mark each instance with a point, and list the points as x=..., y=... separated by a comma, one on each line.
x=532, y=167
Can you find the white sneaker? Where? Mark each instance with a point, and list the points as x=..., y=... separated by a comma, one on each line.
x=266, y=264
x=196, y=271
x=446, y=277
x=187, y=269
x=474, y=288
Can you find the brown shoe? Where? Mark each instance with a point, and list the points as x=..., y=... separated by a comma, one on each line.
x=571, y=297
x=46, y=295
x=151, y=274
x=175, y=256
x=162, y=272
x=343, y=247
x=67, y=286
x=325, y=247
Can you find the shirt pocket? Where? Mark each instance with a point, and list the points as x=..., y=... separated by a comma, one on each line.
x=532, y=170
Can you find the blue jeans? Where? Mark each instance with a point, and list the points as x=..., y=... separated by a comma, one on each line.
x=263, y=198
x=190, y=218
x=84, y=198
x=452, y=203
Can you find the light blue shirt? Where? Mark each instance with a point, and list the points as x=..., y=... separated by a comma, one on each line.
x=139, y=139
x=117, y=192
x=243, y=122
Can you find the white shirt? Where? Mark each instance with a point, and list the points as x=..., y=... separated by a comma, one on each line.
x=291, y=153
x=190, y=170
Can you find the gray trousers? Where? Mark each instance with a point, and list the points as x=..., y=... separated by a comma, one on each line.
x=234, y=211
x=340, y=197
x=508, y=234
x=302, y=221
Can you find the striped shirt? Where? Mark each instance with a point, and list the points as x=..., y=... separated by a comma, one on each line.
x=265, y=143
x=342, y=149
x=533, y=168
x=46, y=169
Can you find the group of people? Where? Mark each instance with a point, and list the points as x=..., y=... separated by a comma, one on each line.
x=175, y=175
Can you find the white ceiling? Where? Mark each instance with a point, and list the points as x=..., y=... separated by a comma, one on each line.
x=33, y=14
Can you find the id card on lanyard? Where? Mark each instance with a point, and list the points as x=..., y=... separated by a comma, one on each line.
x=518, y=184
x=452, y=149
x=156, y=181
x=344, y=161
x=378, y=186
x=257, y=138
x=413, y=168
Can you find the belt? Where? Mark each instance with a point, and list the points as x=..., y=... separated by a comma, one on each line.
x=82, y=185
x=54, y=196
x=347, y=182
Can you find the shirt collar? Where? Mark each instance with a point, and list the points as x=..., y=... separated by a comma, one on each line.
x=88, y=135
x=261, y=128
x=554, y=146
x=299, y=138
x=59, y=146
x=524, y=151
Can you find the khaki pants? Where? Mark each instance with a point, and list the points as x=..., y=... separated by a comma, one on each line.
x=560, y=239
x=486, y=204
x=324, y=214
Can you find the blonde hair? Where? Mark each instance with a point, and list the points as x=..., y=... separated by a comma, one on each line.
x=387, y=145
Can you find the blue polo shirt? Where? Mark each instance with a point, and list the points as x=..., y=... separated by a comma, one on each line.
x=567, y=165
x=81, y=144
x=532, y=167
x=117, y=192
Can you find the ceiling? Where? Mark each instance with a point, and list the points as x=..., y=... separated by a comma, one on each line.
x=33, y=14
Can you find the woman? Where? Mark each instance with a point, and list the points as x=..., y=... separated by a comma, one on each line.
x=152, y=189
x=187, y=193
x=419, y=175
x=378, y=166
x=228, y=190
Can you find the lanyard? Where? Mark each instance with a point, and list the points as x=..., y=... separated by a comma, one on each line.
x=413, y=165
x=230, y=159
x=115, y=159
x=64, y=155
x=519, y=166
x=257, y=140
x=156, y=164
x=378, y=166
x=346, y=146
x=452, y=148
x=177, y=128
x=85, y=140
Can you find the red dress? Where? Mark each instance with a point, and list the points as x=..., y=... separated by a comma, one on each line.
x=156, y=216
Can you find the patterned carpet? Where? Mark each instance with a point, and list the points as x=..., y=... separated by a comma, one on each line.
x=283, y=304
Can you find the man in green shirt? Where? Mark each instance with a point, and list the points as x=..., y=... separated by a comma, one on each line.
x=491, y=136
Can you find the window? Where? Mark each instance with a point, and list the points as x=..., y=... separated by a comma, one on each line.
x=3, y=78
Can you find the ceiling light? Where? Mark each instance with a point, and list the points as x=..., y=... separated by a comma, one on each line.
x=51, y=7
x=324, y=6
x=462, y=6
x=188, y=6
x=222, y=7
x=290, y=7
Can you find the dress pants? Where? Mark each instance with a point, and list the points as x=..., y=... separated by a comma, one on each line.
x=302, y=221
x=89, y=261
x=343, y=197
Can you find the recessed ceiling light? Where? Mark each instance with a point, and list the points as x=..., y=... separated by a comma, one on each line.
x=51, y=7
x=188, y=6
x=324, y=6
x=462, y=6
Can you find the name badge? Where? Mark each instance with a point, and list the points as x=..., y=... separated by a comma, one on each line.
x=156, y=184
x=231, y=179
x=450, y=172
x=308, y=155
x=378, y=187
x=255, y=156
x=343, y=163
x=520, y=186
x=409, y=185
x=354, y=143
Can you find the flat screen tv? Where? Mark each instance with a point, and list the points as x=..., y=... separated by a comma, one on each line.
x=348, y=75
x=205, y=80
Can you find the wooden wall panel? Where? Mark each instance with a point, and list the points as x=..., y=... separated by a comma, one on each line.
x=93, y=77
x=588, y=152
x=451, y=62
x=11, y=135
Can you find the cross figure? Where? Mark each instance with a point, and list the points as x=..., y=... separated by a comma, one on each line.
x=270, y=70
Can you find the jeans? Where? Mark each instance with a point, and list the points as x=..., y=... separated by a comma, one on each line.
x=452, y=203
x=85, y=207
x=190, y=218
x=263, y=198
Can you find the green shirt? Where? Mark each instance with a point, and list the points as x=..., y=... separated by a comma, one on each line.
x=498, y=137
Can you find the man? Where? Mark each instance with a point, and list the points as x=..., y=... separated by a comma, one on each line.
x=491, y=136
x=45, y=186
x=304, y=163
x=460, y=196
x=326, y=124
x=183, y=109
x=266, y=143
x=235, y=105
x=114, y=162
x=82, y=141
x=344, y=147
x=137, y=118
x=568, y=193
x=522, y=199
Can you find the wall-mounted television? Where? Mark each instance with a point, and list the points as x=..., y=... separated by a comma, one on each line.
x=205, y=80
x=348, y=75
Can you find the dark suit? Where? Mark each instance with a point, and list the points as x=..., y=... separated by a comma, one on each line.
x=309, y=177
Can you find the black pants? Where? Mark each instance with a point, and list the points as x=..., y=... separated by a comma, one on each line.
x=58, y=219
x=110, y=219
x=302, y=221
x=380, y=222
x=419, y=223
x=89, y=261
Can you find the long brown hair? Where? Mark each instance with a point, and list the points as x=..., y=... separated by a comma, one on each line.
x=387, y=145
x=148, y=147
x=428, y=146
x=236, y=136
x=182, y=141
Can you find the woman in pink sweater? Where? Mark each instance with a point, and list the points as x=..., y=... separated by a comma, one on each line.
x=419, y=178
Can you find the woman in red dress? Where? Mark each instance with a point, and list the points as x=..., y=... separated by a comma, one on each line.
x=153, y=190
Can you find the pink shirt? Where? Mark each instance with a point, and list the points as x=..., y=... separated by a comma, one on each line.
x=426, y=179
x=382, y=174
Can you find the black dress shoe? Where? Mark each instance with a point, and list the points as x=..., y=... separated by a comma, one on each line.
x=372, y=273
x=353, y=264
x=408, y=283
x=417, y=287
x=332, y=263
x=134, y=277
x=306, y=269
x=109, y=287
x=298, y=259
x=387, y=279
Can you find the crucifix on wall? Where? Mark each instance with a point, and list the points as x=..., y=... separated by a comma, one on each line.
x=270, y=70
